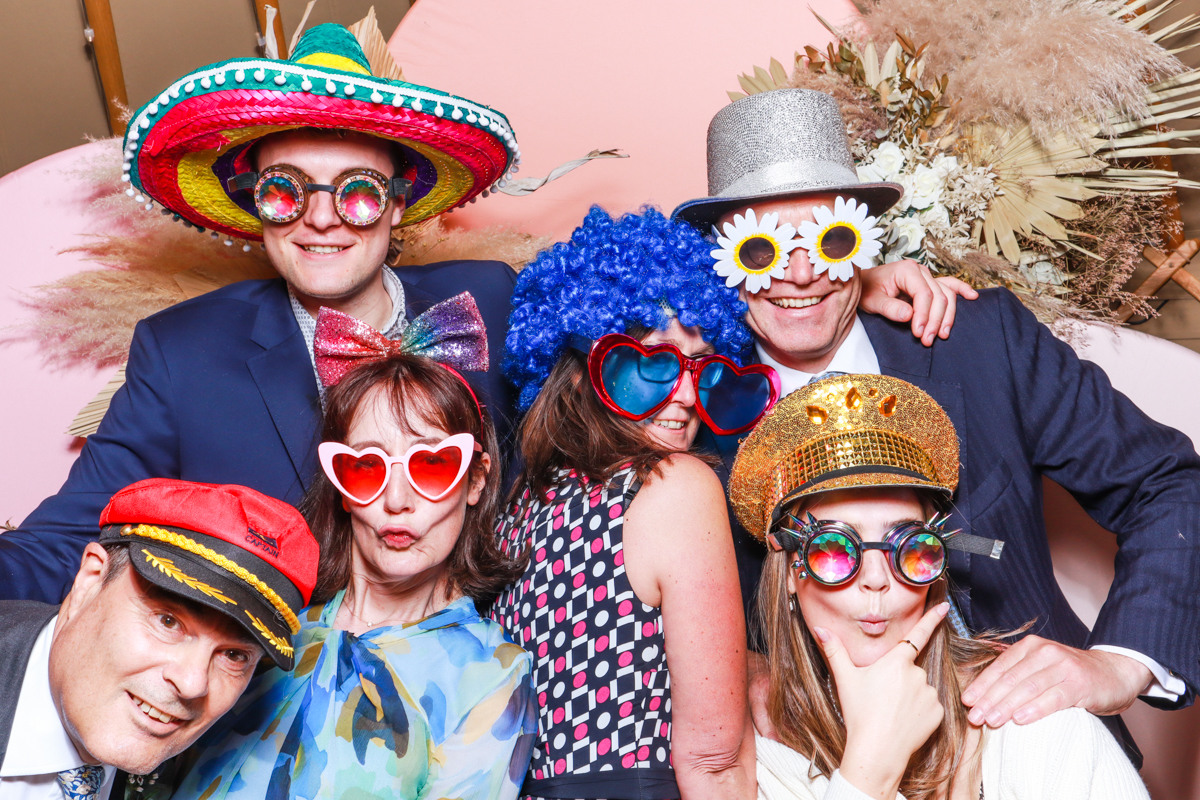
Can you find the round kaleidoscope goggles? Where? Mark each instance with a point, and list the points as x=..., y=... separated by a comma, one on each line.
x=433, y=471
x=636, y=381
x=360, y=194
x=840, y=239
x=831, y=552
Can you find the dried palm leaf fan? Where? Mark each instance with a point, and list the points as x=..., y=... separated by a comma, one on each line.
x=89, y=317
x=1026, y=156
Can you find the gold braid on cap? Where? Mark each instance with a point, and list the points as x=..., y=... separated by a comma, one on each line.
x=167, y=567
x=842, y=432
x=194, y=547
x=279, y=644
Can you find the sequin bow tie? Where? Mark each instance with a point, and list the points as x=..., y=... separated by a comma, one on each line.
x=451, y=332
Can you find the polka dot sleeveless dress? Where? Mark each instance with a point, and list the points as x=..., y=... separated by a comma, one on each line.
x=600, y=671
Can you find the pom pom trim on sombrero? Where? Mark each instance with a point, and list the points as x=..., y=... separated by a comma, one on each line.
x=181, y=147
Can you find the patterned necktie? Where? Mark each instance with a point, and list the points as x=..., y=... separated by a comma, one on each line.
x=81, y=783
x=833, y=373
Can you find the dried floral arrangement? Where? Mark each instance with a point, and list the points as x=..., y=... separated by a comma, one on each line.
x=1029, y=159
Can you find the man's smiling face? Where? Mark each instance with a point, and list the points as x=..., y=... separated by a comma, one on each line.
x=325, y=260
x=802, y=319
x=138, y=673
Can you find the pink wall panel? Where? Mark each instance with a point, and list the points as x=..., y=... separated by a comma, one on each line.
x=645, y=77
x=43, y=210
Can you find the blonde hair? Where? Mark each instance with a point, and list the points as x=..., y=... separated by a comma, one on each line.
x=801, y=703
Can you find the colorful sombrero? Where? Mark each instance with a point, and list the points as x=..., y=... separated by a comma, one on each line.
x=181, y=147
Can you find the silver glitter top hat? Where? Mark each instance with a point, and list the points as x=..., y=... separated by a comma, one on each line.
x=777, y=144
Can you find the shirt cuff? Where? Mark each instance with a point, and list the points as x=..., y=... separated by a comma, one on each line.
x=1166, y=686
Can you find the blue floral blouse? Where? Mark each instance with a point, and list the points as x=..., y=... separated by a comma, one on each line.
x=440, y=708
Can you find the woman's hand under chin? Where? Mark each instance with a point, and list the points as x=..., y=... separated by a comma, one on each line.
x=889, y=708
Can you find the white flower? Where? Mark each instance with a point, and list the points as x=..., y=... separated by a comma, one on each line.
x=888, y=160
x=912, y=230
x=944, y=165
x=869, y=173
x=935, y=216
x=905, y=201
x=927, y=186
x=753, y=250
x=841, y=239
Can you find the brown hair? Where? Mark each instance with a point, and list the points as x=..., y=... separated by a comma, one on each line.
x=118, y=560
x=568, y=427
x=804, y=713
x=425, y=389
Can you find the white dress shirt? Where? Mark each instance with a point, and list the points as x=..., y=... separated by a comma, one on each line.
x=38, y=745
x=856, y=356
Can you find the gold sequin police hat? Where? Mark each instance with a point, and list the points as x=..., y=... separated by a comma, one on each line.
x=841, y=432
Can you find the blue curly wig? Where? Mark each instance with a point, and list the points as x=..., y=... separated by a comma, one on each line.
x=612, y=274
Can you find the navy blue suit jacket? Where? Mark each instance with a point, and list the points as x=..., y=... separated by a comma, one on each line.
x=220, y=389
x=1025, y=406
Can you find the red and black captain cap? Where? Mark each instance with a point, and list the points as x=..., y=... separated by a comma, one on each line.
x=250, y=556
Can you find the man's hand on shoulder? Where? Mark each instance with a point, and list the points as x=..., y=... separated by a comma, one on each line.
x=1036, y=677
x=930, y=303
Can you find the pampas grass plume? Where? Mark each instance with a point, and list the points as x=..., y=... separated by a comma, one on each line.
x=1046, y=62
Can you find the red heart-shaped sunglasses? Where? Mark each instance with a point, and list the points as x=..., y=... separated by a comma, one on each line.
x=362, y=475
x=636, y=381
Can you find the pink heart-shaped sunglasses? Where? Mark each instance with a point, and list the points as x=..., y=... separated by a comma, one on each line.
x=432, y=471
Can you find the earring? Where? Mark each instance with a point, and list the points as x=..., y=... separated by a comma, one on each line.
x=792, y=603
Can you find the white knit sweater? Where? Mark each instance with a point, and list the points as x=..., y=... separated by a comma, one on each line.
x=1066, y=756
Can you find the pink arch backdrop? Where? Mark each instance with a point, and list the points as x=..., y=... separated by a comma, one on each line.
x=642, y=77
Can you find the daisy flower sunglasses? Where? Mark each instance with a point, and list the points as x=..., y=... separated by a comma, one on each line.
x=756, y=250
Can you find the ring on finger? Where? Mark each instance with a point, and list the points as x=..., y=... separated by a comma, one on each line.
x=916, y=650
